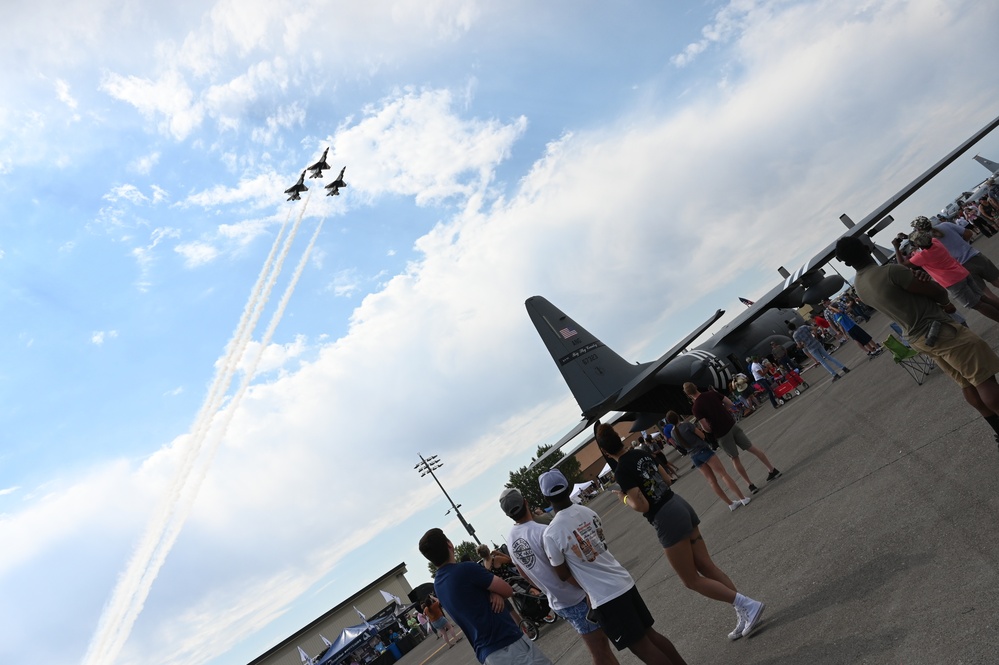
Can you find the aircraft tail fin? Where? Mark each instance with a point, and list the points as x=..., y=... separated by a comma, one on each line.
x=593, y=372
x=993, y=167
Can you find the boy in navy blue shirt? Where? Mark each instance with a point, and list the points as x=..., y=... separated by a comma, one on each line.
x=475, y=599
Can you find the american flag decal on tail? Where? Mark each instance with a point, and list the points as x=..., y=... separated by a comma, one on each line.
x=566, y=333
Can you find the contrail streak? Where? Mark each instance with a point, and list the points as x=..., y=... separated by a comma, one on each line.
x=134, y=584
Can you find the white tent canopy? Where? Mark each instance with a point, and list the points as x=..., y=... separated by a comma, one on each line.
x=578, y=489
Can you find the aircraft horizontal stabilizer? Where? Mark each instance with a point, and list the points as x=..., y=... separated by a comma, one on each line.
x=570, y=435
x=993, y=167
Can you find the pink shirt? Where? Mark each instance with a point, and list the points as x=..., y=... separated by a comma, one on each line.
x=941, y=266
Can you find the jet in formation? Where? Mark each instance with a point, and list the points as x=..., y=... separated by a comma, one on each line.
x=296, y=190
x=333, y=189
x=316, y=170
x=602, y=381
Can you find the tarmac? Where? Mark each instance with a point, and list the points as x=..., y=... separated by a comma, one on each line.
x=877, y=545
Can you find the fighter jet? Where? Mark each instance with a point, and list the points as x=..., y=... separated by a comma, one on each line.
x=320, y=166
x=602, y=381
x=296, y=189
x=338, y=183
x=333, y=189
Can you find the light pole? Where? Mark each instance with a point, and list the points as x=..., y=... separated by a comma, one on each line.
x=427, y=466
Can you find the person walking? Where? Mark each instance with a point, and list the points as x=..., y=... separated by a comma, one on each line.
x=706, y=461
x=644, y=489
x=711, y=409
x=807, y=342
x=761, y=378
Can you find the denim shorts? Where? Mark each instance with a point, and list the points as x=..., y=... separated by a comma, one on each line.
x=701, y=457
x=576, y=616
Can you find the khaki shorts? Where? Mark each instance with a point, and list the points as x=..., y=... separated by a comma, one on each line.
x=734, y=439
x=962, y=355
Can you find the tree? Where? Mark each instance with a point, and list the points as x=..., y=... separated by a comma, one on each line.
x=525, y=478
x=464, y=547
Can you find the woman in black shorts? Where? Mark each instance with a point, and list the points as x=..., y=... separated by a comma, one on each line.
x=645, y=488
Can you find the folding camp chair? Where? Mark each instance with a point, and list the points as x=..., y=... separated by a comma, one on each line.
x=914, y=362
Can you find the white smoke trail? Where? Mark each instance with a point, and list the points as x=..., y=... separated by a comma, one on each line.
x=132, y=588
x=186, y=503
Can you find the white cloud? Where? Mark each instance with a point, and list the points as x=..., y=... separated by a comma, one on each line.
x=8, y=490
x=169, y=97
x=98, y=337
x=145, y=163
x=749, y=173
x=62, y=92
x=286, y=117
x=414, y=143
x=345, y=283
x=196, y=253
x=128, y=193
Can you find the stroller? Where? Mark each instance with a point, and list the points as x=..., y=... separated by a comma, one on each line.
x=532, y=605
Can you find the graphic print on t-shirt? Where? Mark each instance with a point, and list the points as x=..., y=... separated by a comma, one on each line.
x=653, y=485
x=589, y=540
x=523, y=553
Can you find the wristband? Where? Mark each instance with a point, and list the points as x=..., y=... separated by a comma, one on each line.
x=626, y=499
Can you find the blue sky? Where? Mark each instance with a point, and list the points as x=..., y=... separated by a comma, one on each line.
x=640, y=167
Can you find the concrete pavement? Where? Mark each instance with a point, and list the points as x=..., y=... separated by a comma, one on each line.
x=878, y=545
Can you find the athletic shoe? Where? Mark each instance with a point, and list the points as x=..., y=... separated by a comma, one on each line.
x=745, y=501
x=754, y=489
x=846, y=370
x=773, y=475
x=735, y=504
x=753, y=610
x=835, y=377
x=739, y=627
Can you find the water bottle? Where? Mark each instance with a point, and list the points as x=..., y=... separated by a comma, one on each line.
x=932, y=334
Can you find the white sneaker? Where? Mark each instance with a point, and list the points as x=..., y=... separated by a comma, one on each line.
x=753, y=610
x=734, y=505
x=745, y=501
x=739, y=627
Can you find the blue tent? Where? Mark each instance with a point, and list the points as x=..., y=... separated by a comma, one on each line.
x=353, y=637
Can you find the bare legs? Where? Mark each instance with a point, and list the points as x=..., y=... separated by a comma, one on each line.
x=656, y=649
x=693, y=565
x=712, y=468
x=600, y=648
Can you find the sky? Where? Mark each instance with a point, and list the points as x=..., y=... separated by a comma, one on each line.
x=213, y=399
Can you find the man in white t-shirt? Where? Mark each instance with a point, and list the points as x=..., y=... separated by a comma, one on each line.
x=565, y=597
x=760, y=376
x=574, y=543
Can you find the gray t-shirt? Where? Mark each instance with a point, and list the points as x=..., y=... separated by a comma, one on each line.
x=885, y=288
x=953, y=240
x=689, y=439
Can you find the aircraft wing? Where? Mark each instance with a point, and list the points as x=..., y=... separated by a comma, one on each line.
x=774, y=296
x=640, y=382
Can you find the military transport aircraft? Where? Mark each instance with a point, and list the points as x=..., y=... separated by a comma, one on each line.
x=296, y=189
x=320, y=166
x=602, y=381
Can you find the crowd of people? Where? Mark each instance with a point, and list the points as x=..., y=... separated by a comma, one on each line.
x=569, y=560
